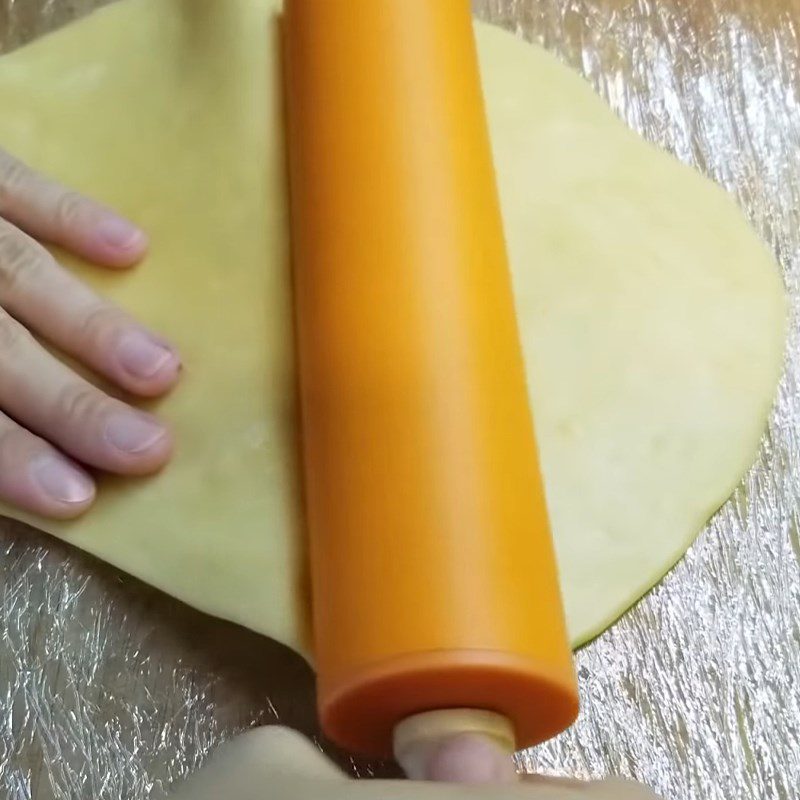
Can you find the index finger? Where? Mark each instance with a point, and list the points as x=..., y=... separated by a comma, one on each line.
x=50, y=212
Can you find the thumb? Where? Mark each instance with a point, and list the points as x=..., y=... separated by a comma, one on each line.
x=259, y=764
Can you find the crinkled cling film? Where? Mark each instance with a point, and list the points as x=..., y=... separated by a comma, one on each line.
x=111, y=690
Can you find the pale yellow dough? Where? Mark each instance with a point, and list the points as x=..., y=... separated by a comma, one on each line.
x=653, y=318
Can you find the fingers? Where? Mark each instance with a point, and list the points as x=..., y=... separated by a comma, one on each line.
x=48, y=299
x=620, y=789
x=266, y=763
x=37, y=478
x=275, y=762
x=271, y=763
x=285, y=751
x=53, y=415
x=569, y=789
x=45, y=396
x=49, y=211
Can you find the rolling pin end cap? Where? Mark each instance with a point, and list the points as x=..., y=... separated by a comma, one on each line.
x=457, y=746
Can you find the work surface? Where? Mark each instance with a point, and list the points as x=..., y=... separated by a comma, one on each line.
x=110, y=690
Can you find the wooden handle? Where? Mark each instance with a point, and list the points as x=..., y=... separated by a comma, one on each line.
x=417, y=738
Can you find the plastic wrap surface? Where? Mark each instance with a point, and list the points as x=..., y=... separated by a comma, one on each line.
x=110, y=690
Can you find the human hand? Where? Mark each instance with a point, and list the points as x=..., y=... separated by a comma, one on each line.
x=276, y=763
x=54, y=423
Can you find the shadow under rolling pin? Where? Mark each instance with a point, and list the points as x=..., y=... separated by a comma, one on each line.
x=433, y=575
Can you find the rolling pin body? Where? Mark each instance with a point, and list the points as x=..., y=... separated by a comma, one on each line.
x=433, y=576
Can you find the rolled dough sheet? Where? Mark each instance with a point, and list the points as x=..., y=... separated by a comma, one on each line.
x=652, y=316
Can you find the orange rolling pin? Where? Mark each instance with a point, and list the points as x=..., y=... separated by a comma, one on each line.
x=435, y=593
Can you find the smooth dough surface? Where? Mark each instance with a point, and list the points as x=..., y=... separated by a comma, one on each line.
x=652, y=316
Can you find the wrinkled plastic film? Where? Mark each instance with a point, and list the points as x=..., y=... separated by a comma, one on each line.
x=110, y=690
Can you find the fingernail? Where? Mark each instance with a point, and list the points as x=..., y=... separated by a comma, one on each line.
x=62, y=481
x=120, y=233
x=141, y=356
x=133, y=433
